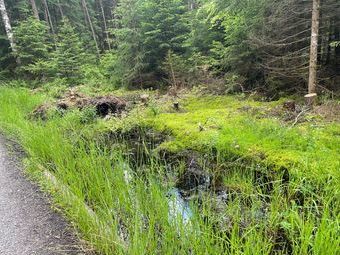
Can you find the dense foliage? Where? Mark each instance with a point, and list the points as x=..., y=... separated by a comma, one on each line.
x=33, y=48
x=139, y=173
x=235, y=45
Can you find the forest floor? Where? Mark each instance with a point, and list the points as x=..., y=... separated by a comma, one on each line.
x=28, y=225
x=144, y=173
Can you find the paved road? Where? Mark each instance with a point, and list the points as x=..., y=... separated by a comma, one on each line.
x=28, y=226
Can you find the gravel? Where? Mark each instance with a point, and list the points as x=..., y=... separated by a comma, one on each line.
x=28, y=225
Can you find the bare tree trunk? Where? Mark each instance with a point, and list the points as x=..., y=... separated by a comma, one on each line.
x=8, y=27
x=84, y=11
x=173, y=76
x=191, y=5
x=336, y=53
x=87, y=14
x=113, y=13
x=314, y=48
x=105, y=24
x=60, y=9
x=48, y=17
x=35, y=9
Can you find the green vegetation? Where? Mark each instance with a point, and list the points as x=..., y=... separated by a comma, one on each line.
x=177, y=126
x=227, y=126
x=130, y=215
x=228, y=46
x=33, y=48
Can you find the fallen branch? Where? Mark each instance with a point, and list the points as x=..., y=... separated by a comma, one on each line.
x=298, y=117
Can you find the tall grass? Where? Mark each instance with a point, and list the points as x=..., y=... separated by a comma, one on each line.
x=119, y=211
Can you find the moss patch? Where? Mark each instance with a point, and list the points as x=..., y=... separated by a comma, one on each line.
x=222, y=124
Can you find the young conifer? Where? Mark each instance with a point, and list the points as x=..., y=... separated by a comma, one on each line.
x=69, y=55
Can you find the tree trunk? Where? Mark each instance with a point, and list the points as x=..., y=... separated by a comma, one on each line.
x=60, y=9
x=336, y=55
x=48, y=16
x=113, y=14
x=172, y=72
x=105, y=24
x=191, y=5
x=87, y=15
x=8, y=27
x=35, y=9
x=312, y=82
x=328, y=44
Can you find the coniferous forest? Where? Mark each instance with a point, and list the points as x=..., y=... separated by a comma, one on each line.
x=239, y=45
x=179, y=126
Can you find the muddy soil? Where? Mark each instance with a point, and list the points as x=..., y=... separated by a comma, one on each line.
x=104, y=105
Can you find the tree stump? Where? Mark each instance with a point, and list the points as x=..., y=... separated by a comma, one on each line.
x=289, y=105
x=310, y=99
x=176, y=106
x=145, y=98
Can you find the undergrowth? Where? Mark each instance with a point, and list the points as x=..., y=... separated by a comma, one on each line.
x=123, y=210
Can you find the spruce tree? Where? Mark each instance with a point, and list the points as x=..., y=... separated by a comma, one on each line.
x=164, y=29
x=69, y=55
x=33, y=47
x=130, y=52
x=147, y=31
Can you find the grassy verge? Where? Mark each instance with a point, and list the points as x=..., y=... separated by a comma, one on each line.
x=120, y=210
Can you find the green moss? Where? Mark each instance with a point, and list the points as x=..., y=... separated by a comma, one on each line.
x=222, y=123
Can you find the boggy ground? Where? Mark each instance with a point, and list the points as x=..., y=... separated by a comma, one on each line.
x=250, y=177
